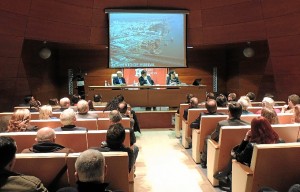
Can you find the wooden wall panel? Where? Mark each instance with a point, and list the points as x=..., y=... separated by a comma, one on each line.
x=283, y=26
x=61, y=12
x=234, y=33
x=9, y=67
x=8, y=96
x=285, y=46
x=206, y=4
x=195, y=36
x=103, y=4
x=16, y=6
x=12, y=24
x=99, y=19
x=277, y=8
x=58, y=32
x=287, y=65
x=85, y=3
x=10, y=46
x=174, y=4
x=194, y=19
x=237, y=13
x=99, y=36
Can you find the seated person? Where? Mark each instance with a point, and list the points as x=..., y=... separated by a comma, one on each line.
x=20, y=121
x=270, y=115
x=98, y=100
x=114, y=142
x=68, y=119
x=83, y=111
x=29, y=100
x=193, y=104
x=123, y=109
x=144, y=79
x=74, y=99
x=211, y=107
x=11, y=181
x=245, y=102
x=293, y=100
x=222, y=101
x=64, y=104
x=172, y=79
x=46, y=112
x=90, y=172
x=251, y=96
x=45, y=139
x=231, y=97
x=119, y=79
x=268, y=102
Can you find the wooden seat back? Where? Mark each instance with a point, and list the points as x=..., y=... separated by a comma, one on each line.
x=104, y=123
x=117, y=170
x=23, y=140
x=35, y=115
x=44, y=166
x=52, y=123
x=101, y=114
x=285, y=118
x=90, y=124
x=76, y=140
x=273, y=165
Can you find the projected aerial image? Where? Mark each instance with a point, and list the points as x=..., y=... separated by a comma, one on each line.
x=147, y=40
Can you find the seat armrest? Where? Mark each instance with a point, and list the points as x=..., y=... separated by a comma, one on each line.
x=242, y=177
x=212, y=161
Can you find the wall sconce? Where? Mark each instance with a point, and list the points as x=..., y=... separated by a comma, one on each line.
x=248, y=51
x=45, y=52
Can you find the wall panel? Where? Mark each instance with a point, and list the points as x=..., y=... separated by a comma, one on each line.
x=17, y=6
x=277, y=8
x=12, y=24
x=285, y=46
x=10, y=46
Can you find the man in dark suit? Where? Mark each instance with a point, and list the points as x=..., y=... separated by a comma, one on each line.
x=68, y=119
x=211, y=106
x=144, y=79
x=119, y=79
x=235, y=112
x=193, y=104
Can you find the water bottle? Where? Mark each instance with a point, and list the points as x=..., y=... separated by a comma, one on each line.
x=105, y=83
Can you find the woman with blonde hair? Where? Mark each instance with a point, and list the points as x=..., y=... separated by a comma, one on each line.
x=45, y=112
x=20, y=121
x=270, y=115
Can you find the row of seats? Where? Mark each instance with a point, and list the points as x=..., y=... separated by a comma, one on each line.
x=77, y=140
x=50, y=164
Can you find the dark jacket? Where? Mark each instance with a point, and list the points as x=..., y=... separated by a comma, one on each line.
x=70, y=128
x=196, y=124
x=186, y=112
x=117, y=82
x=142, y=81
x=10, y=181
x=47, y=147
x=87, y=187
x=230, y=122
x=170, y=81
x=243, y=153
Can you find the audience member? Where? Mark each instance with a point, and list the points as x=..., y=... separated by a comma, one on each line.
x=91, y=105
x=20, y=121
x=172, y=79
x=45, y=139
x=46, y=112
x=251, y=96
x=221, y=101
x=245, y=103
x=119, y=79
x=98, y=100
x=68, y=119
x=296, y=118
x=210, y=95
x=114, y=142
x=75, y=99
x=9, y=180
x=270, y=115
x=145, y=79
x=292, y=101
x=123, y=109
x=83, y=111
x=27, y=99
x=268, y=102
x=235, y=112
x=53, y=102
x=193, y=104
x=231, y=97
x=64, y=104
x=211, y=107
x=261, y=133
x=115, y=117
x=90, y=172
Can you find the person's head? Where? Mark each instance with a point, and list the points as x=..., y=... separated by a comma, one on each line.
x=115, y=136
x=262, y=131
x=144, y=73
x=119, y=74
x=221, y=101
x=122, y=107
x=188, y=97
x=83, y=106
x=97, y=98
x=115, y=116
x=19, y=120
x=270, y=114
x=210, y=95
x=91, y=105
x=251, y=96
x=45, y=112
x=45, y=134
x=231, y=97
x=235, y=109
x=120, y=98
x=194, y=102
x=90, y=166
x=296, y=118
x=28, y=98
x=64, y=102
x=211, y=106
x=245, y=102
x=75, y=99
x=293, y=100
x=67, y=117
x=172, y=74
x=53, y=102
x=268, y=102
x=8, y=149
x=269, y=95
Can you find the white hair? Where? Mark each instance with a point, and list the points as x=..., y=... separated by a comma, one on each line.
x=83, y=106
x=268, y=102
x=245, y=102
x=67, y=117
